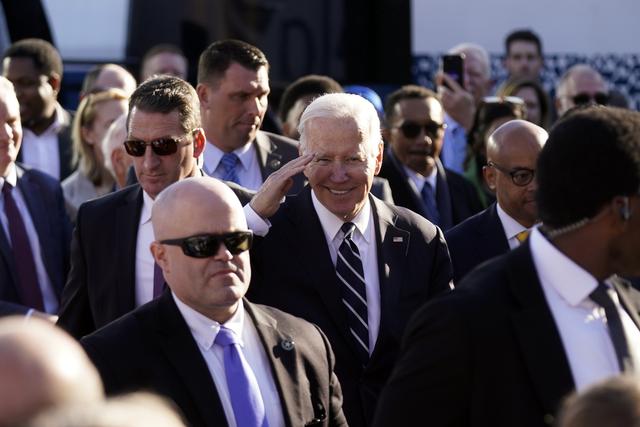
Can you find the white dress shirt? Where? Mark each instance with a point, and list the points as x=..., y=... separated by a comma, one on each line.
x=49, y=297
x=511, y=227
x=247, y=169
x=582, y=324
x=144, y=259
x=205, y=330
x=418, y=180
x=41, y=151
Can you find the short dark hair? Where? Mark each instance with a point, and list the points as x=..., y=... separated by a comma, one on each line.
x=406, y=92
x=44, y=55
x=309, y=85
x=592, y=155
x=164, y=94
x=216, y=58
x=522, y=35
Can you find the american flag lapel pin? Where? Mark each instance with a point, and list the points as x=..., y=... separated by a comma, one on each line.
x=398, y=239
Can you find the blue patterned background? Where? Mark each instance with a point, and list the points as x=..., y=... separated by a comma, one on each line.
x=621, y=71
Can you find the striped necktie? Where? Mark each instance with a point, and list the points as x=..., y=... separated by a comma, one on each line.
x=229, y=162
x=354, y=293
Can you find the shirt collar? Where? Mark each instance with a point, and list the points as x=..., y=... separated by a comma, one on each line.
x=58, y=121
x=12, y=176
x=147, y=204
x=510, y=225
x=419, y=180
x=572, y=282
x=214, y=155
x=205, y=330
x=331, y=224
x=450, y=122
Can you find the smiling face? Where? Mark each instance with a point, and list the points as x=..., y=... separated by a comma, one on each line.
x=419, y=152
x=344, y=165
x=11, y=132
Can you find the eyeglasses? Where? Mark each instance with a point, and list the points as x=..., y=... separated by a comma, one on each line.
x=412, y=129
x=503, y=100
x=585, y=98
x=160, y=146
x=520, y=176
x=206, y=245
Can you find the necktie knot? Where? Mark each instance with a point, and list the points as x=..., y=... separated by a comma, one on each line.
x=226, y=337
x=229, y=162
x=347, y=229
x=522, y=236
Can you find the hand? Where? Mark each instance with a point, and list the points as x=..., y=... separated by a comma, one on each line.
x=267, y=200
x=456, y=101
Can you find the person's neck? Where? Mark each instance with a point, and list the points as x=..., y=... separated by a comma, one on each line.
x=41, y=124
x=587, y=250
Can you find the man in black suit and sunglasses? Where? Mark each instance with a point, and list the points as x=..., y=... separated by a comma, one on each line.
x=418, y=180
x=112, y=269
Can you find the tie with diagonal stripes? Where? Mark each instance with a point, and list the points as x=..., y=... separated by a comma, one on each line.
x=354, y=294
x=229, y=162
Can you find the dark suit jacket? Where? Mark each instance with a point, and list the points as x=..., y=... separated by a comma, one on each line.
x=45, y=203
x=273, y=152
x=101, y=283
x=292, y=270
x=65, y=146
x=487, y=354
x=476, y=240
x=455, y=196
x=153, y=348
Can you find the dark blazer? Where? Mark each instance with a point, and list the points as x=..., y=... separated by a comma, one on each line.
x=45, y=202
x=65, y=146
x=153, y=348
x=273, y=152
x=292, y=270
x=101, y=283
x=476, y=240
x=455, y=196
x=487, y=354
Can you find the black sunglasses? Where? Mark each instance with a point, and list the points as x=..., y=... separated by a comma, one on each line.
x=520, y=176
x=585, y=98
x=160, y=146
x=412, y=129
x=206, y=245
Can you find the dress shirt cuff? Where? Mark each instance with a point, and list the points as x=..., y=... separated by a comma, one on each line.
x=259, y=226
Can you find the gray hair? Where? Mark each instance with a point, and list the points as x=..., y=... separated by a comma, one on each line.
x=473, y=48
x=344, y=106
x=561, y=86
x=109, y=144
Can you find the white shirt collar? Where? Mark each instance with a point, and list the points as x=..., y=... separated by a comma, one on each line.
x=214, y=155
x=205, y=330
x=419, y=180
x=12, y=176
x=58, y=121
x=572, y=282
x=510, y=225
x=331, y=224
x=147, y=205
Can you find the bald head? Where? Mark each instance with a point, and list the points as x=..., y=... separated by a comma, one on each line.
x=515, y=135
x=582, y=81
x=116, y=159
x=41, y=367
x=115, y=76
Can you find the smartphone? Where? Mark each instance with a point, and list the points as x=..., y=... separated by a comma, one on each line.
x=453, y=66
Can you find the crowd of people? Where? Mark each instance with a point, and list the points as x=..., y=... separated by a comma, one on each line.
x=459, y=257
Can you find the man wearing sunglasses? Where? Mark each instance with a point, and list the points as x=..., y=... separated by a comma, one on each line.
x=552, y=316
x=112, y=271
x=339, y=257
x=512, y=153
x=233, y=86
x=580, y=85
x=201, y=344
x=414, y=131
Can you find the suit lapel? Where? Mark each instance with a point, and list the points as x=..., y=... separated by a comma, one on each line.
x=443, y=198
x=64, y=146
x=282, y=363
x=127, y=219
x=181, y=350
x=494, y=238
x=269, y=160
x=7, y=253
x=536, y=332
x=628, y=298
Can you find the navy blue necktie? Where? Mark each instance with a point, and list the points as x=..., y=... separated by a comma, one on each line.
x=430, y=203
x=229, y=162
x=158, y=280
x=354, y=292
x=28, y=288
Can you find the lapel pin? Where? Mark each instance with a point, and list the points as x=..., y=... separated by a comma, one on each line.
x=287, y=345
x=274, y=164
x=398, y=239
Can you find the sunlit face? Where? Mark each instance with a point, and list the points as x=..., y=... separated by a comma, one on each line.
x=343, y=168
x=530, y=98
x=36, y=95
x=11, y=131
x=165, y=63
x=106, y=112
x=419, y=153
x=476, y=77
x=211, y=285
x=523, y=60
x=233, y=106
x=156, y=172
x=581, y=82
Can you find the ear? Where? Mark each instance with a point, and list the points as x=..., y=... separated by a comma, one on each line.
x=379, y=158
x=203, y=93
x=489, y=177
x=87, y=135
x=55, y=81
x=199, y=142
x=160, y=256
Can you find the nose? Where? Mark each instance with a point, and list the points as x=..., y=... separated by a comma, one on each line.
x=150, y=159
x=223, y=253
x=339, y=172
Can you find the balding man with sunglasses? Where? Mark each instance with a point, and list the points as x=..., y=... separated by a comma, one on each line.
x=112, y=269
x=418, y=180
x=221, y=359
x=512, y=152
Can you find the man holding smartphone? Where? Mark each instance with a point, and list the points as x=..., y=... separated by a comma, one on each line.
x=460, y=101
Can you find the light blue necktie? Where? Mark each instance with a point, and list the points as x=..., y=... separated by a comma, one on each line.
x=229, y=162
x=246, y=400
